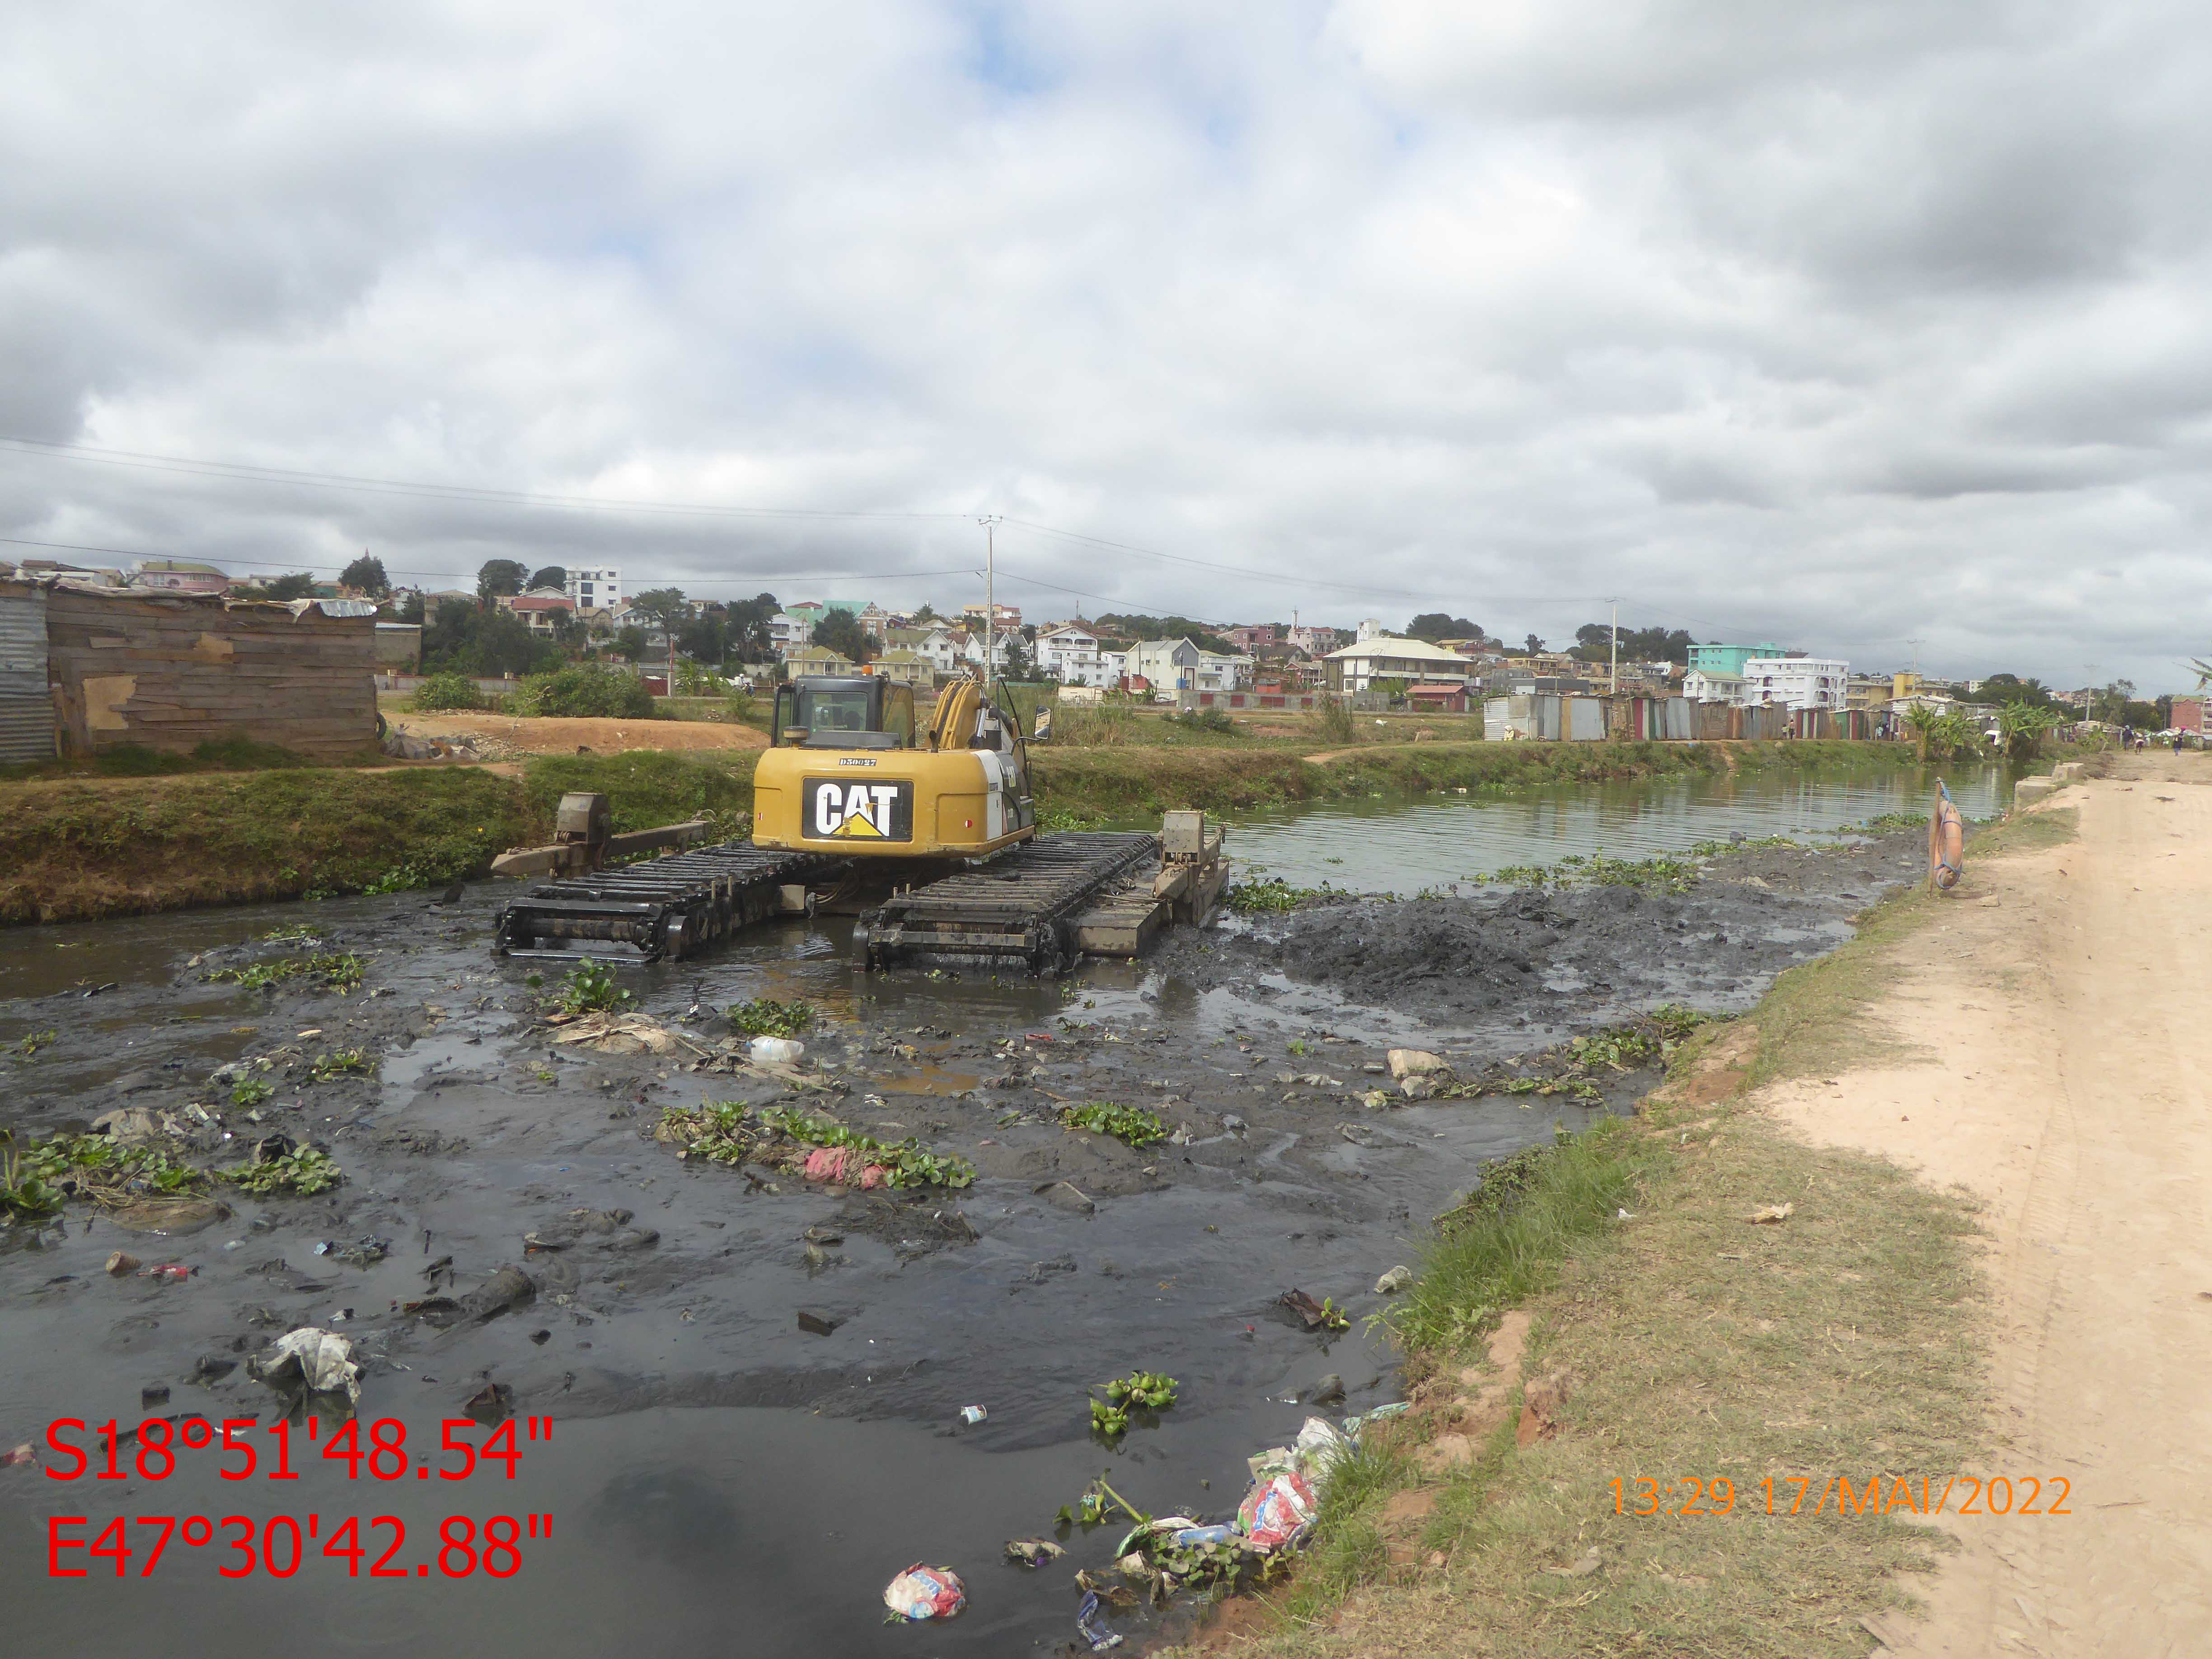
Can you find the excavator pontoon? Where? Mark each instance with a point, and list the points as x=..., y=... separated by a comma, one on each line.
x=928, y=834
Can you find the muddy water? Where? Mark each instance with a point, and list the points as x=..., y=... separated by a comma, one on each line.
x=1407, y=848
x=717, y=1475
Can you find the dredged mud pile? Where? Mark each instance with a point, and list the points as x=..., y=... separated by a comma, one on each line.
x=1531, y=956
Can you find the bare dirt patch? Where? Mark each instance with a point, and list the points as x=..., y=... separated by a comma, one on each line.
x=564, y=736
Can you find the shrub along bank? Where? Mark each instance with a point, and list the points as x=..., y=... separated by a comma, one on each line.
x=125, y=847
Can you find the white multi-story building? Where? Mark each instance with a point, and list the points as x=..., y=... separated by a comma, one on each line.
x=595, y=590
x=1217, y=672
x=1070, y=655
x=787, y=633
x=1798, y=682
x=1001, y=648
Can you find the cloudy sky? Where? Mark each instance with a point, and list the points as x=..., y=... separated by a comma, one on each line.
x=1846, y=325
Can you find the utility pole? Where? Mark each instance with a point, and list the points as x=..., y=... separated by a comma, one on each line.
x=990, y=523
x=1612, y=674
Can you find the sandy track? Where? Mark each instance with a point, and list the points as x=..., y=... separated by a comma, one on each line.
x=2064, y=1083
x=564, y=736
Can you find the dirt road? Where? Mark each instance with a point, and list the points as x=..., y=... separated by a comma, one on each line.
x=567, y=737
x=2058, y=1019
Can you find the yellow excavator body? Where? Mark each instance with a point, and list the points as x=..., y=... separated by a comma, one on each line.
x=848, y=771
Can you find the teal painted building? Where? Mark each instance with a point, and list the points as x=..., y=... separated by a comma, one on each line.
x=1729, y=659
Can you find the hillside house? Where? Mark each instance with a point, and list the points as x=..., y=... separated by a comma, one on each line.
x=180, y=576
x=1070, y=655
x=1356, y=667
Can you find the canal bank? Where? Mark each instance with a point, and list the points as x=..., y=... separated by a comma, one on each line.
x=129, y=845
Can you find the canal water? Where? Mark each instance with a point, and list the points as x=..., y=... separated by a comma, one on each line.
x=1385, y=845
x=722, y=1478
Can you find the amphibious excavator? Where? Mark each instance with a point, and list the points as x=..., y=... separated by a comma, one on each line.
x=927, y=834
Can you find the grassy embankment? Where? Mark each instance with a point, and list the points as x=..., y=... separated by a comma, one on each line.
x=78, y=850
x=1681, y=1344
x=83, y=847
x=1096, y=785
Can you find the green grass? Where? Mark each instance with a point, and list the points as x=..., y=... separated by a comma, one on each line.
x=1506, y=1241
x=645, y=788
x=80, y=850
x=237, y=753
x=1138, y=778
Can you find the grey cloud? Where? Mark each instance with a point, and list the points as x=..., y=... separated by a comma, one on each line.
x=1838, y=323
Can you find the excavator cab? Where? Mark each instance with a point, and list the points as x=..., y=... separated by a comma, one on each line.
x=849, y=770
x=862, y=712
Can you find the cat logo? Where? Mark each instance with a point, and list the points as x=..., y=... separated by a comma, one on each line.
x=836, y=810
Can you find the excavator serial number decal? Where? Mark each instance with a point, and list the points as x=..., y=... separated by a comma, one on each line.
x=836, y=810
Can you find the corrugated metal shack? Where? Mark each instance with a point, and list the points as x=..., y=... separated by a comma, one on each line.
x=1544, y=718
x=26, y=711
x=173, y=670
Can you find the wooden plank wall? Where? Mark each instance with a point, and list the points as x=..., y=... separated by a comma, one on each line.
x=173, y=672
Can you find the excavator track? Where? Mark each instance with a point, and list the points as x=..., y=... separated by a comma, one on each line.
x=664, y=907
x=1024, y=910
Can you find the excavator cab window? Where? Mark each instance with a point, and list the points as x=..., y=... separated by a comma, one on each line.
x=898, y=713
x=820, y=712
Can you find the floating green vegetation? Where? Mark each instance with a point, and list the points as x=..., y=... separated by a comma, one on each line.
x=1140, y=1391
x=1713, y=849
x=781, y=1137
x=1663, y=874
x=1135, y=1126
x=766, y=1017
x=24, y=1193
x=590, y=988
x=251, y=1090
x=302, y=1171
x=28, y=1047
x=1884, y=824
x=1579, y=1068
x=1270, y=896
x=341, y=1062
x=339, y=970
x=91, y=1167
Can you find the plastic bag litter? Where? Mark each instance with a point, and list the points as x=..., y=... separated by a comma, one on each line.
x=926, y=1592
x=1191, y=1538
x=1033, y=1552
x=1353, y=1427
x=1092, y=1625
x=1276, y=1513
x=1320, y=1446
x=842, y=1166
x=322, y=1361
